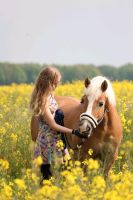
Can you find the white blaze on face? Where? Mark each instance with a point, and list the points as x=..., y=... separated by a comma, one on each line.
x=93, y=93
x=88, y=124
x=90, y=105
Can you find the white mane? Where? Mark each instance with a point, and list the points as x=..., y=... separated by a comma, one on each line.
x=94, y=89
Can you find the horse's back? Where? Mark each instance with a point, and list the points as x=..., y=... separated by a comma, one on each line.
x=67, y=104
x=63, y=101
x=71, y=110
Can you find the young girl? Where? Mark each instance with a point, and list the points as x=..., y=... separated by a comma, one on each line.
x=44, y=106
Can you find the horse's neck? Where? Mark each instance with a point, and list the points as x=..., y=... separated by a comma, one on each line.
x=111, y=122
x=72, y=115
x=112, y=115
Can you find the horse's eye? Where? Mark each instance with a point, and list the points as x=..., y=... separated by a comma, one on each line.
x=101, y=104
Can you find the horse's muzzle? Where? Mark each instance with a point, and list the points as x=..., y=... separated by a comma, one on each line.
x=87, y=124
x=89, y=118
x=85, y=128
x=87, y=133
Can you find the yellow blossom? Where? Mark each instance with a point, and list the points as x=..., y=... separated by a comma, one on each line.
x=98, y=182
x=2, y=130
x=90, y=152
x=60, y=145
x=14, y=137
x=20, y=183
x=91, y=163
x=1, y=116
x=4, y=164
x=38, y=161
x=6, y=193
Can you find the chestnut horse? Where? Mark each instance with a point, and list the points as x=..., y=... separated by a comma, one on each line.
x=95, y=116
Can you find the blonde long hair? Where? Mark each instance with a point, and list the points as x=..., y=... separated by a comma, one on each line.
x=44, y=83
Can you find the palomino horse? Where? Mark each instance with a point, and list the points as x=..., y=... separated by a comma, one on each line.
x=95, y=116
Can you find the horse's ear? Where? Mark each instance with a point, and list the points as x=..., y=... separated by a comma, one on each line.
x=104, y=85
x=87, y=82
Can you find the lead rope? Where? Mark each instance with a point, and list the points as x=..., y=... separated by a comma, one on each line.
x=78, y=145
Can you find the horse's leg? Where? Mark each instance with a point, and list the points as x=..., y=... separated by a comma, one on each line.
x=110, y=161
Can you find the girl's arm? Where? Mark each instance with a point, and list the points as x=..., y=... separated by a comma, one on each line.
x=49, y=118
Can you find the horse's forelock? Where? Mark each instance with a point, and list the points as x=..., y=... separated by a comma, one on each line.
x=95, y=91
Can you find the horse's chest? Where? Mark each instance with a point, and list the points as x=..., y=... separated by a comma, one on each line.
x=98, y=147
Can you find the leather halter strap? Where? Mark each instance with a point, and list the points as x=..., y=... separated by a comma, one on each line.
x=92, y=120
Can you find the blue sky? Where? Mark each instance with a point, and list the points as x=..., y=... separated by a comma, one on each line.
x=67, y=31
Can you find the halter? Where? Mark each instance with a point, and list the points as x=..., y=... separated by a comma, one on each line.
x=94, y=122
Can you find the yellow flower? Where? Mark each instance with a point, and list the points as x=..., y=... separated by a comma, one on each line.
x=90, y=152
x=34, y=177
x=77, y=163
x=4, y=164
x=2, y=131
x=119, y=158
x=48, y=192
x=70, y=179
x=112, y=195
x=14, y=137
x=60, y=145
x=92, y=164
x=1, y=116
x=20, y=183
x=98, y=182
x=38, y=161
x=47, y=182
x=6, y=193
x=125, y=166
x=7, y=124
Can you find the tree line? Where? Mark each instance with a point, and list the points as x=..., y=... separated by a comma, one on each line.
x=27, y=73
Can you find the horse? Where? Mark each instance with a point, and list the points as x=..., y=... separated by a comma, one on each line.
x=96, y=117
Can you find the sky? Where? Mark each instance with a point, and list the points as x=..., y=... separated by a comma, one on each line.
x=66, y=31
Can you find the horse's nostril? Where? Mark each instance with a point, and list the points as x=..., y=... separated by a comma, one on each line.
x=88, y=128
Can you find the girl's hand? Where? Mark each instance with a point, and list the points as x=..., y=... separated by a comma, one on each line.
x=77, y=133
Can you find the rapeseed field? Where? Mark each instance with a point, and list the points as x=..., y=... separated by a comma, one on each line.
x=20, y=177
